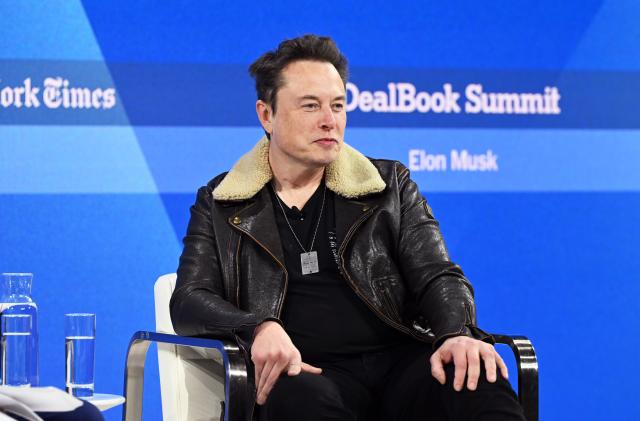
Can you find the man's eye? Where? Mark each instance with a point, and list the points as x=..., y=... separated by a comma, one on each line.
x=311, y=106
x=338, y=106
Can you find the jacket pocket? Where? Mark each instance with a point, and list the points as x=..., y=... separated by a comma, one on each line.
x=383, y=290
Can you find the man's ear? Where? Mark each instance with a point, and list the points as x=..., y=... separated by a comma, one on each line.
x=265, y=115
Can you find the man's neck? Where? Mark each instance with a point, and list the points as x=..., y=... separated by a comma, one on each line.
x=295, y=185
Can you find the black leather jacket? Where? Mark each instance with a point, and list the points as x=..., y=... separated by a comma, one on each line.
x=232, y=277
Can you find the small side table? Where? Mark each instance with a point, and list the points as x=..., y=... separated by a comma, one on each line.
x=104, y=401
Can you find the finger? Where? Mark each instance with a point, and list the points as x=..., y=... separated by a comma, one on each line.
x=258, y=371
x=311, y=369
x=460, y=362
x=489, y=358
x=502, y=366
x=295, y=365
x=294, y=369
x=437, y=369
x=473, y=368
x=277, y=369
x=263, y=379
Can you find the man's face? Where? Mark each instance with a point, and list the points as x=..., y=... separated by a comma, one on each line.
x=308, y=127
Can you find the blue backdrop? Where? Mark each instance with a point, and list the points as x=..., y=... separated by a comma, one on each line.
x=113, y=113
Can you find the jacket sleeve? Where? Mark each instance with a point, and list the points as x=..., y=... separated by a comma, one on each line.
x=198, y=306
x=443, y=295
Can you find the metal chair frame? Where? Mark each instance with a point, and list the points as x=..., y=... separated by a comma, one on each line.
x=238, y=405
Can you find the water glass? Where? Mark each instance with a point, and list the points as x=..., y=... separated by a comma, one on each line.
x=16, y=340
x=80, y=340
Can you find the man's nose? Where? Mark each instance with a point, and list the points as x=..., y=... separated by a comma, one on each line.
x=327, y=118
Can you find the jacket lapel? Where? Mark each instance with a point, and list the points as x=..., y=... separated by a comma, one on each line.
x=258, y=221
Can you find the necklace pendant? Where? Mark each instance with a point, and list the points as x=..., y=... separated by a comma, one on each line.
x=309, y=262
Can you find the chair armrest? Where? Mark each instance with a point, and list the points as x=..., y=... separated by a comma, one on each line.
x=527, y=372
x=238, y=392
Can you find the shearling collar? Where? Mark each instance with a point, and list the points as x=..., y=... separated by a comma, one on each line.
x=351, y=175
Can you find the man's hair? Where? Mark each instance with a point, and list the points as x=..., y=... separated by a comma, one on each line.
x=267, y=70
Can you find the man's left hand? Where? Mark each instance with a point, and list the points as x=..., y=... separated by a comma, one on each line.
x=466, y=353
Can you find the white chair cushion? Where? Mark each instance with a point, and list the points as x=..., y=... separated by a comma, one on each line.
x=191, y=379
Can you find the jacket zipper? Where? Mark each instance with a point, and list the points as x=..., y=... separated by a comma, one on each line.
x=386, y=296
x=238, y=272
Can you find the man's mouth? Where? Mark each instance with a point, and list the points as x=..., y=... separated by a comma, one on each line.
x=326, y=140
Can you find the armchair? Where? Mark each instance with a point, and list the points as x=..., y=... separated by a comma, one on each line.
x=206, y=379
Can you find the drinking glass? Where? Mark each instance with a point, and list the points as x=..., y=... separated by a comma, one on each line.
x=16, y=339
x=80, y=340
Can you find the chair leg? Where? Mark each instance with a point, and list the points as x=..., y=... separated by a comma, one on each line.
x=134, y=380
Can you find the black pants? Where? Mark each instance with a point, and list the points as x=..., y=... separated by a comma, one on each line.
x=386, y=386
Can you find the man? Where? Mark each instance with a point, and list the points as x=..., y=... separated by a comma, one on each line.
x=331, y=268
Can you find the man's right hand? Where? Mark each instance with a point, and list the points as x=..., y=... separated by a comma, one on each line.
x=272, y=353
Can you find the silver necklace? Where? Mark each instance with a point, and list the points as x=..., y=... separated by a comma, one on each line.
x=308, y=259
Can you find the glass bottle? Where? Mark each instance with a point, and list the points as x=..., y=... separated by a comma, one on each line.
x=16, y=299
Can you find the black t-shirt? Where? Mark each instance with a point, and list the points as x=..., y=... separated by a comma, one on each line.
x=324, y=317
